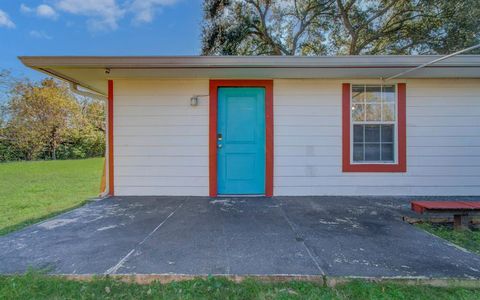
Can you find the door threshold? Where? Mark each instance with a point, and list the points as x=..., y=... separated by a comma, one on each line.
x=241, y=195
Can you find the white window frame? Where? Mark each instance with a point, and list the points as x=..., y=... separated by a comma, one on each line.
x=395, y=123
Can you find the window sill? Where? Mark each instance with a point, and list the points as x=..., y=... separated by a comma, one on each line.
x=381, y=167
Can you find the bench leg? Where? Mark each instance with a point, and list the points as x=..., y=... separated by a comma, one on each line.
x=460, y=222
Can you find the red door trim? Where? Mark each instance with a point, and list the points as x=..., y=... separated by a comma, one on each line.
x=213, y=111
x=401, y=165
x=111, y=185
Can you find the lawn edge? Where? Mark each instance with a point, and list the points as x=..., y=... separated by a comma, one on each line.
x=449, y=242
x=36, y=221
x=330, y=281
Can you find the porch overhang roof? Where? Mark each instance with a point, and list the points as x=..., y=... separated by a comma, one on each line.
x=92, y=72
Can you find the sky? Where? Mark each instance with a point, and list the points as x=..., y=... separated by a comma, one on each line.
x=96, y=27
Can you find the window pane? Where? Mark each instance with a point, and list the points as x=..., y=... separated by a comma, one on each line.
x=389, y=93
x=358, y=152
x=358, y=94
x=388, y=112
x=357, y=133
x=387, y=152
x=373, y=94
x=374, y=112
x=387, y=133
x=372, y=133
x=358, y=112
x=372, y=152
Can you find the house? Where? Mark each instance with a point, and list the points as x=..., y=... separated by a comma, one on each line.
x=274, y=126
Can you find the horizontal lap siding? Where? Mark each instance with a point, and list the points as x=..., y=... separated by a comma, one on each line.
x=443, y=137
x=443, y=141
x=161, y=142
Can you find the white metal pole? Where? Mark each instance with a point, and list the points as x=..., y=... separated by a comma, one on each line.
x=433, y=61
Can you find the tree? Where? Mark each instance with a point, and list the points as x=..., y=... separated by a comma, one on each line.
x=39, y=116
x=93, y=111
x=265, y=27
x=4, y=77
x=459, y=28
x=308, y=27
x=5, y=83
x=88, y=139
x=44, y=120
x=379, y=27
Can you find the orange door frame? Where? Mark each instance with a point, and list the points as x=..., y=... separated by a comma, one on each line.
x=214, y=85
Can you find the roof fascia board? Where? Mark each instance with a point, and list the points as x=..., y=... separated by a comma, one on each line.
x=244, y=61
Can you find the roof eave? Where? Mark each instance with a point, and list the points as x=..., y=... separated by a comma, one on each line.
x=139, y=62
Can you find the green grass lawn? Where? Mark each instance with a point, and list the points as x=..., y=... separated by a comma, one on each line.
x=468, y=239
x=35, y=286
x=32, y=191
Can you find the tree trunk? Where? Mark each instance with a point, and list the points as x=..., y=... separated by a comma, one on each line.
x=353, y=46
x=54, y=143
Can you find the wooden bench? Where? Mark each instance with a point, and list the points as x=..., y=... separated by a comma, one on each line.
x=460, y=210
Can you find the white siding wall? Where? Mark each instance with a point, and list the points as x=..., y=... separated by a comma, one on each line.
x=443, y=141
x=161, y=142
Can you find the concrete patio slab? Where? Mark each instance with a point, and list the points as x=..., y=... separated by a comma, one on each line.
x=333, y=236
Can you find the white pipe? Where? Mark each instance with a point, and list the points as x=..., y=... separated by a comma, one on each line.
x=433, y=61
x=74, y=88
x=106, y=193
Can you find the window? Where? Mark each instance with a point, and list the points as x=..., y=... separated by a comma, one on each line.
x=373, y=122
x=374, y=127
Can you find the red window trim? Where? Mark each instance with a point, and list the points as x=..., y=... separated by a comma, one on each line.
x=401, y=165
x=213, y=111
x=111, y=185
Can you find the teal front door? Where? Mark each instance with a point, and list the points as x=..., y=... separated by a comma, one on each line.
x=241, y=141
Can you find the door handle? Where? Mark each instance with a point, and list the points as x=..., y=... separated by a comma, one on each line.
x=219, y=139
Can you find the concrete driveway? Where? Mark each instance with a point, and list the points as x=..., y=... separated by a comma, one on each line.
x=334, y=236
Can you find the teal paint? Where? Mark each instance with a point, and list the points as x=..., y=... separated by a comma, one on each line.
x=241, y=150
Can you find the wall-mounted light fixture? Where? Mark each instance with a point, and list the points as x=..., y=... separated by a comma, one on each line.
x=194, y=99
